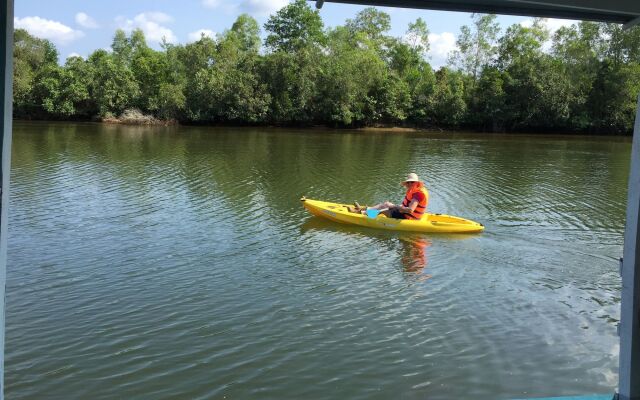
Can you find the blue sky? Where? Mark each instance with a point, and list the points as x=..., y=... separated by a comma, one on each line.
x=81, y=26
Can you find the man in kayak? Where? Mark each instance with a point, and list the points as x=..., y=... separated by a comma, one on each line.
x=414, y=204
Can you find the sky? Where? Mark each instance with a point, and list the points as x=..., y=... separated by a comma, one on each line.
x=78, y=27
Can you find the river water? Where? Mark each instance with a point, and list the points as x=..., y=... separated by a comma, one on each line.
x=178, y=263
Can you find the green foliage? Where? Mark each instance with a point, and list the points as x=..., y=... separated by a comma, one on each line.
x=353, y=87
x=586, y=79
x=612, y=101
x=422, y=93
x=405, y=61
x=622, y=45
x=578, y=45
x=33, y=59
x=392, y=100
x=537, y=94
x=35, y=52
x=579, y=49
x=446, y=104
x=292, y=82
x=63, y=91
x=522, y=43
x=488, y=110
x=113, y=87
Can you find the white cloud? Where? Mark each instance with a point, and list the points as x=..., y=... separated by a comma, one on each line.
x=211, y=3
x=254, y=7
x=441, y=45
x=151, y=25
x=156, y=16
x=48, y=29
x=86, y=21
x=195, y=36
x=227, y=7
x=74, y=55
x=262, y=7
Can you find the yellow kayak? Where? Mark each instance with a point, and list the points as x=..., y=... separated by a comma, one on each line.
x=429, y=222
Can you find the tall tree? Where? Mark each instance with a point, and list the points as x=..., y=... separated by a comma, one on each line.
x=417, y=37
x=347, y=81
x=294, y=27
x=368, y=28
x=371, y=22
x=578, y=49
x=121, y=47
x=476, y=44
x=248, y=32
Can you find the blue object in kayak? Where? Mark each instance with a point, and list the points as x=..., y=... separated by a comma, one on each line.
x=372, y=212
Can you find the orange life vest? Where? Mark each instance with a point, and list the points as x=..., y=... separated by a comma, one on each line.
x=421, y=208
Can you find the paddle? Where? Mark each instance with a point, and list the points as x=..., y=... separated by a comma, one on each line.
x=372, y=212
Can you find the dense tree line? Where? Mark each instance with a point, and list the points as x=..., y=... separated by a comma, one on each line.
x=347, y=76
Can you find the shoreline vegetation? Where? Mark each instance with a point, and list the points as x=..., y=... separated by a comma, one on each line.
x=583, y=78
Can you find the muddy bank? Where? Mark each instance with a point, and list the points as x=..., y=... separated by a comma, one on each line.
x=136, y=117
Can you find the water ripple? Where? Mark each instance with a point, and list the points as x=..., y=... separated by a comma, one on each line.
x=163, y=263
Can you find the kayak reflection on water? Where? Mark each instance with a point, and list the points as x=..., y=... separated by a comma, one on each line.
x=412, y=248
x=414, y=255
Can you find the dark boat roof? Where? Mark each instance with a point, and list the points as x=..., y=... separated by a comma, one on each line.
x=618, y=11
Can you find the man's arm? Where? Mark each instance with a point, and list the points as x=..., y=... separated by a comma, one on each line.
x=410, y=208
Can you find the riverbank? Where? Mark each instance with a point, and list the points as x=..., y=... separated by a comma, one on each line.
x=396, y=129
x=145, y=120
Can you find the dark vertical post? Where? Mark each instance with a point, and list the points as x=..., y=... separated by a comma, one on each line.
x=629, y=386
x=6, y=111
